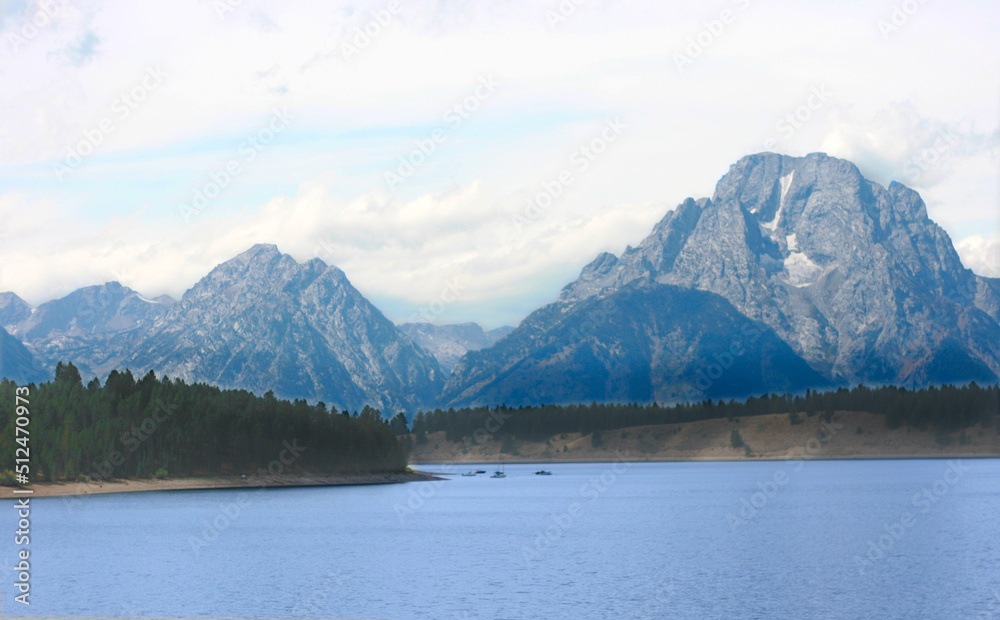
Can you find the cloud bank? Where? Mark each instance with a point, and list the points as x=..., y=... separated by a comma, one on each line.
x=414, y=144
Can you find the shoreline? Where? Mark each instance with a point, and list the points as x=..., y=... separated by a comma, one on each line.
x=67, y=489
x=63, y=489
x=614, y=458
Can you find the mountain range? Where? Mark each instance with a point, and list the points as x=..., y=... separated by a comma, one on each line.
x=97, y=327
x=854, y=277
x=796, y=273
x=449, y=343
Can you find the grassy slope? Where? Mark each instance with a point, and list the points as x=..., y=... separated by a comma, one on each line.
x=769, y=437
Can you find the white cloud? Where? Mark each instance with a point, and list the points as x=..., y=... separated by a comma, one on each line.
x=898, y=143
x=399, y=253
x=981, y=255
x=952, y=164
x=323, y=180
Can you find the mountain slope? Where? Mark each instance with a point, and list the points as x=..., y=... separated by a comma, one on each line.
x=448, y=343
x=853, y=276
x=13, y=310
x=987, y=296
x=644, y=342
x=96, y=327
x=262, y=321
x=17, y=363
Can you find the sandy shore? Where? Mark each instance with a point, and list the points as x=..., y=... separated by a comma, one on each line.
x=55, y=489
x=631, y=457
x=851, y=435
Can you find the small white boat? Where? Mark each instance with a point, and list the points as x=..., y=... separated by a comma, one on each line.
x=499, y=472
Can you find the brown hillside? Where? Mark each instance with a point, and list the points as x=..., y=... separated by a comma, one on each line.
x=852, y=435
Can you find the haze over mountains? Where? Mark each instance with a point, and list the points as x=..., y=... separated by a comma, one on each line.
x=448, y=343
x=17, y=363
x=97, y=327
x=796, y=273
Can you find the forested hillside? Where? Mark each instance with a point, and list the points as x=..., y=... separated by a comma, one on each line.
x=943, y=409
x=157, y=426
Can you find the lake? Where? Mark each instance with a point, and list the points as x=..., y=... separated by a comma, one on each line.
x=814, y=539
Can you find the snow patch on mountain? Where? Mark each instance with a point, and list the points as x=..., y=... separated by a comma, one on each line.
x=792, y=243
x=786, y=184
x=800, y=271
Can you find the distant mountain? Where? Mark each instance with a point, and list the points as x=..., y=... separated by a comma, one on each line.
x=988, y=296
x=644, y=342
x=17, y=363
x=852, y=276
x=96, y=327
x=165, y=300
x=448, y=343
x=13, y=310
x=263, y=322
x=838, y=279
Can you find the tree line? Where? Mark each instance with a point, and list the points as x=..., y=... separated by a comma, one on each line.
x=158, y=426
x=944, y=409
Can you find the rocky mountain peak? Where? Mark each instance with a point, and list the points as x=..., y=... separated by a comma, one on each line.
x=448, y=343
x=843, y=269
x=13, y=309
x=263, y=321
x=815, y=274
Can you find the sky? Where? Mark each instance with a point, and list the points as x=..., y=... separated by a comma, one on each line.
x=459, y=160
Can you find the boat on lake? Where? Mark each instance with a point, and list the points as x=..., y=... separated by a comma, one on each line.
x=499, y=473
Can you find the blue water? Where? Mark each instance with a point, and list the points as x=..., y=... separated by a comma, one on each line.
x=664, y=540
